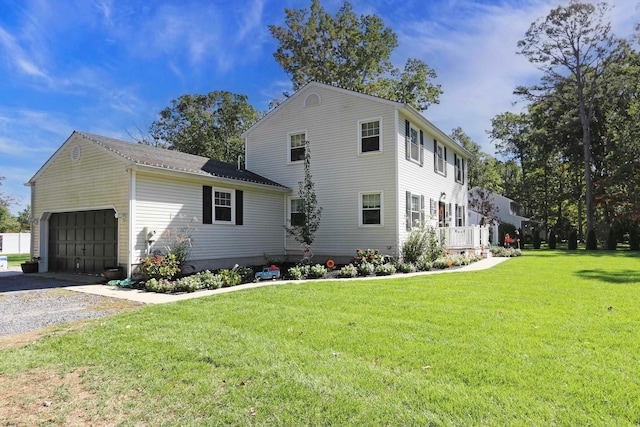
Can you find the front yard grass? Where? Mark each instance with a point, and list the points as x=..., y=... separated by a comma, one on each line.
x=550, y=338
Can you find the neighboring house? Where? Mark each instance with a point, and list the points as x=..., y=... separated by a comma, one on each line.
x=506, y=211
x=379, y=168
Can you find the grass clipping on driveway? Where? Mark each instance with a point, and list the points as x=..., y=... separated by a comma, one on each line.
x=550, y=338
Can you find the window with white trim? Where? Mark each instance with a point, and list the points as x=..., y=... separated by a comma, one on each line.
x=415, y=209
x=460, y=216
x=415, y=143
x=297, y=146
x=370, y=136
x=222, y=206
x=440, y=157
x=459, y=168
x=370, y=209
x=296, y=212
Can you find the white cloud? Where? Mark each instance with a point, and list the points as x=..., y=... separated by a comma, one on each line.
x=474, y=55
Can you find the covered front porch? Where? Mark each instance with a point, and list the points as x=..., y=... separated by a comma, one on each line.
x=473, y=238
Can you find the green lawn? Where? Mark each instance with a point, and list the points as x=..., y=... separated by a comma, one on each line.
x=550, y=338
x=14, y=260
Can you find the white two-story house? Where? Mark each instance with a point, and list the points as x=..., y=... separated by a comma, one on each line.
x=379, y=168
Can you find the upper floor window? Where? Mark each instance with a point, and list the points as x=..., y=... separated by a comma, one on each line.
x=296, y=146
x=371, y=209
x=415, y=143
x=459, y=165
x=440, y=157
x=370, y=136
x=296, y=212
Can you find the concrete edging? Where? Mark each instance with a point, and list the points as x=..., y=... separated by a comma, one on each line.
x=156, y=298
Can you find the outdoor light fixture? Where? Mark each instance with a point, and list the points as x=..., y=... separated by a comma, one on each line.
x=443, y=195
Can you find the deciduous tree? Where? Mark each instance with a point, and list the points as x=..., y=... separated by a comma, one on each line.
x=350, y=52
x=205, y=125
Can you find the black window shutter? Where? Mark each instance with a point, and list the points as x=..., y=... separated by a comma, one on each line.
x=207, y=205
x=407, y=139
x=409, y=211
x=421, y=147
x=445, y=161
x=239, y=207
x=462, y=164
x=455, y=167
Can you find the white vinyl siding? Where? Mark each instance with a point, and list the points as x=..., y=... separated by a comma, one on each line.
x=181, y=206
x=97, y=180
x=339, y=171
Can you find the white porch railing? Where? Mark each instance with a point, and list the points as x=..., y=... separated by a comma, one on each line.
x=472, y=237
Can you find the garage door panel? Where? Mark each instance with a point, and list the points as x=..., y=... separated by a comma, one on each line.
x=82, y=242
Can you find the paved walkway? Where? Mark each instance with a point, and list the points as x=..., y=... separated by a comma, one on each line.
x=155, y=298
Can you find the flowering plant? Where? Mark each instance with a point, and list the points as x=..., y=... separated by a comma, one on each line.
x=368, y=255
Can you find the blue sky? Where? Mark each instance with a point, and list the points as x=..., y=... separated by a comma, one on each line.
x=109, y=66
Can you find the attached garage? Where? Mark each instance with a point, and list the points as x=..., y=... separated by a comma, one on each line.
x=83, y=242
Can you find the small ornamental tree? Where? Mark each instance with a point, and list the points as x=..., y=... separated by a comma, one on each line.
x=304, y=233
x=592, y=241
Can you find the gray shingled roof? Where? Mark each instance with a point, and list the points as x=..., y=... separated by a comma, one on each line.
x=148, y=155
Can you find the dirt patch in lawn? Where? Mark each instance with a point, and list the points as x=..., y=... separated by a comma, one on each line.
x=50, y=397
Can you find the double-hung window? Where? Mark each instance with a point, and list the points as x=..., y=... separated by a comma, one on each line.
x=459, y=166
x=440, y=157
x=296, y=212
x=370, y=209
x=370, y=136
x=222, y=206
x=459, y=216
x=297, y=146
x=415, y=143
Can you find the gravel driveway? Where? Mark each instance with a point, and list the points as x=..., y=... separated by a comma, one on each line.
x=30, y=302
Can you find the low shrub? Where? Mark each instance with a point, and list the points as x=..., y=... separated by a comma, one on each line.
x=348, y=271
x=441, y=263
x=159, y=285
x=247, y=275
x=385, y=269
x=371, y=256
x=366, y=268
x=317, y=271
x=424, y=263
x=416, y=244
x=229, y=278
x=299, y=272
x=159, y=267
x=187, y=284
x=405, y=267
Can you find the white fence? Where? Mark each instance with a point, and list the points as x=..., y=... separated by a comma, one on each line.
x=15, y=243
x=473, y=237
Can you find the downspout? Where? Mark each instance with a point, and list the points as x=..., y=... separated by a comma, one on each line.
x=132, y=219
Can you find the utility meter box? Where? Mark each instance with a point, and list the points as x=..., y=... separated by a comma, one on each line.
x=151, y=234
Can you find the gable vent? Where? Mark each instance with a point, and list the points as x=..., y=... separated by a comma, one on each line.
x=76, y=152
x=311, y=100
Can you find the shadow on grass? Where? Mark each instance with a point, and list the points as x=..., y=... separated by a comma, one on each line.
x=617, y=277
